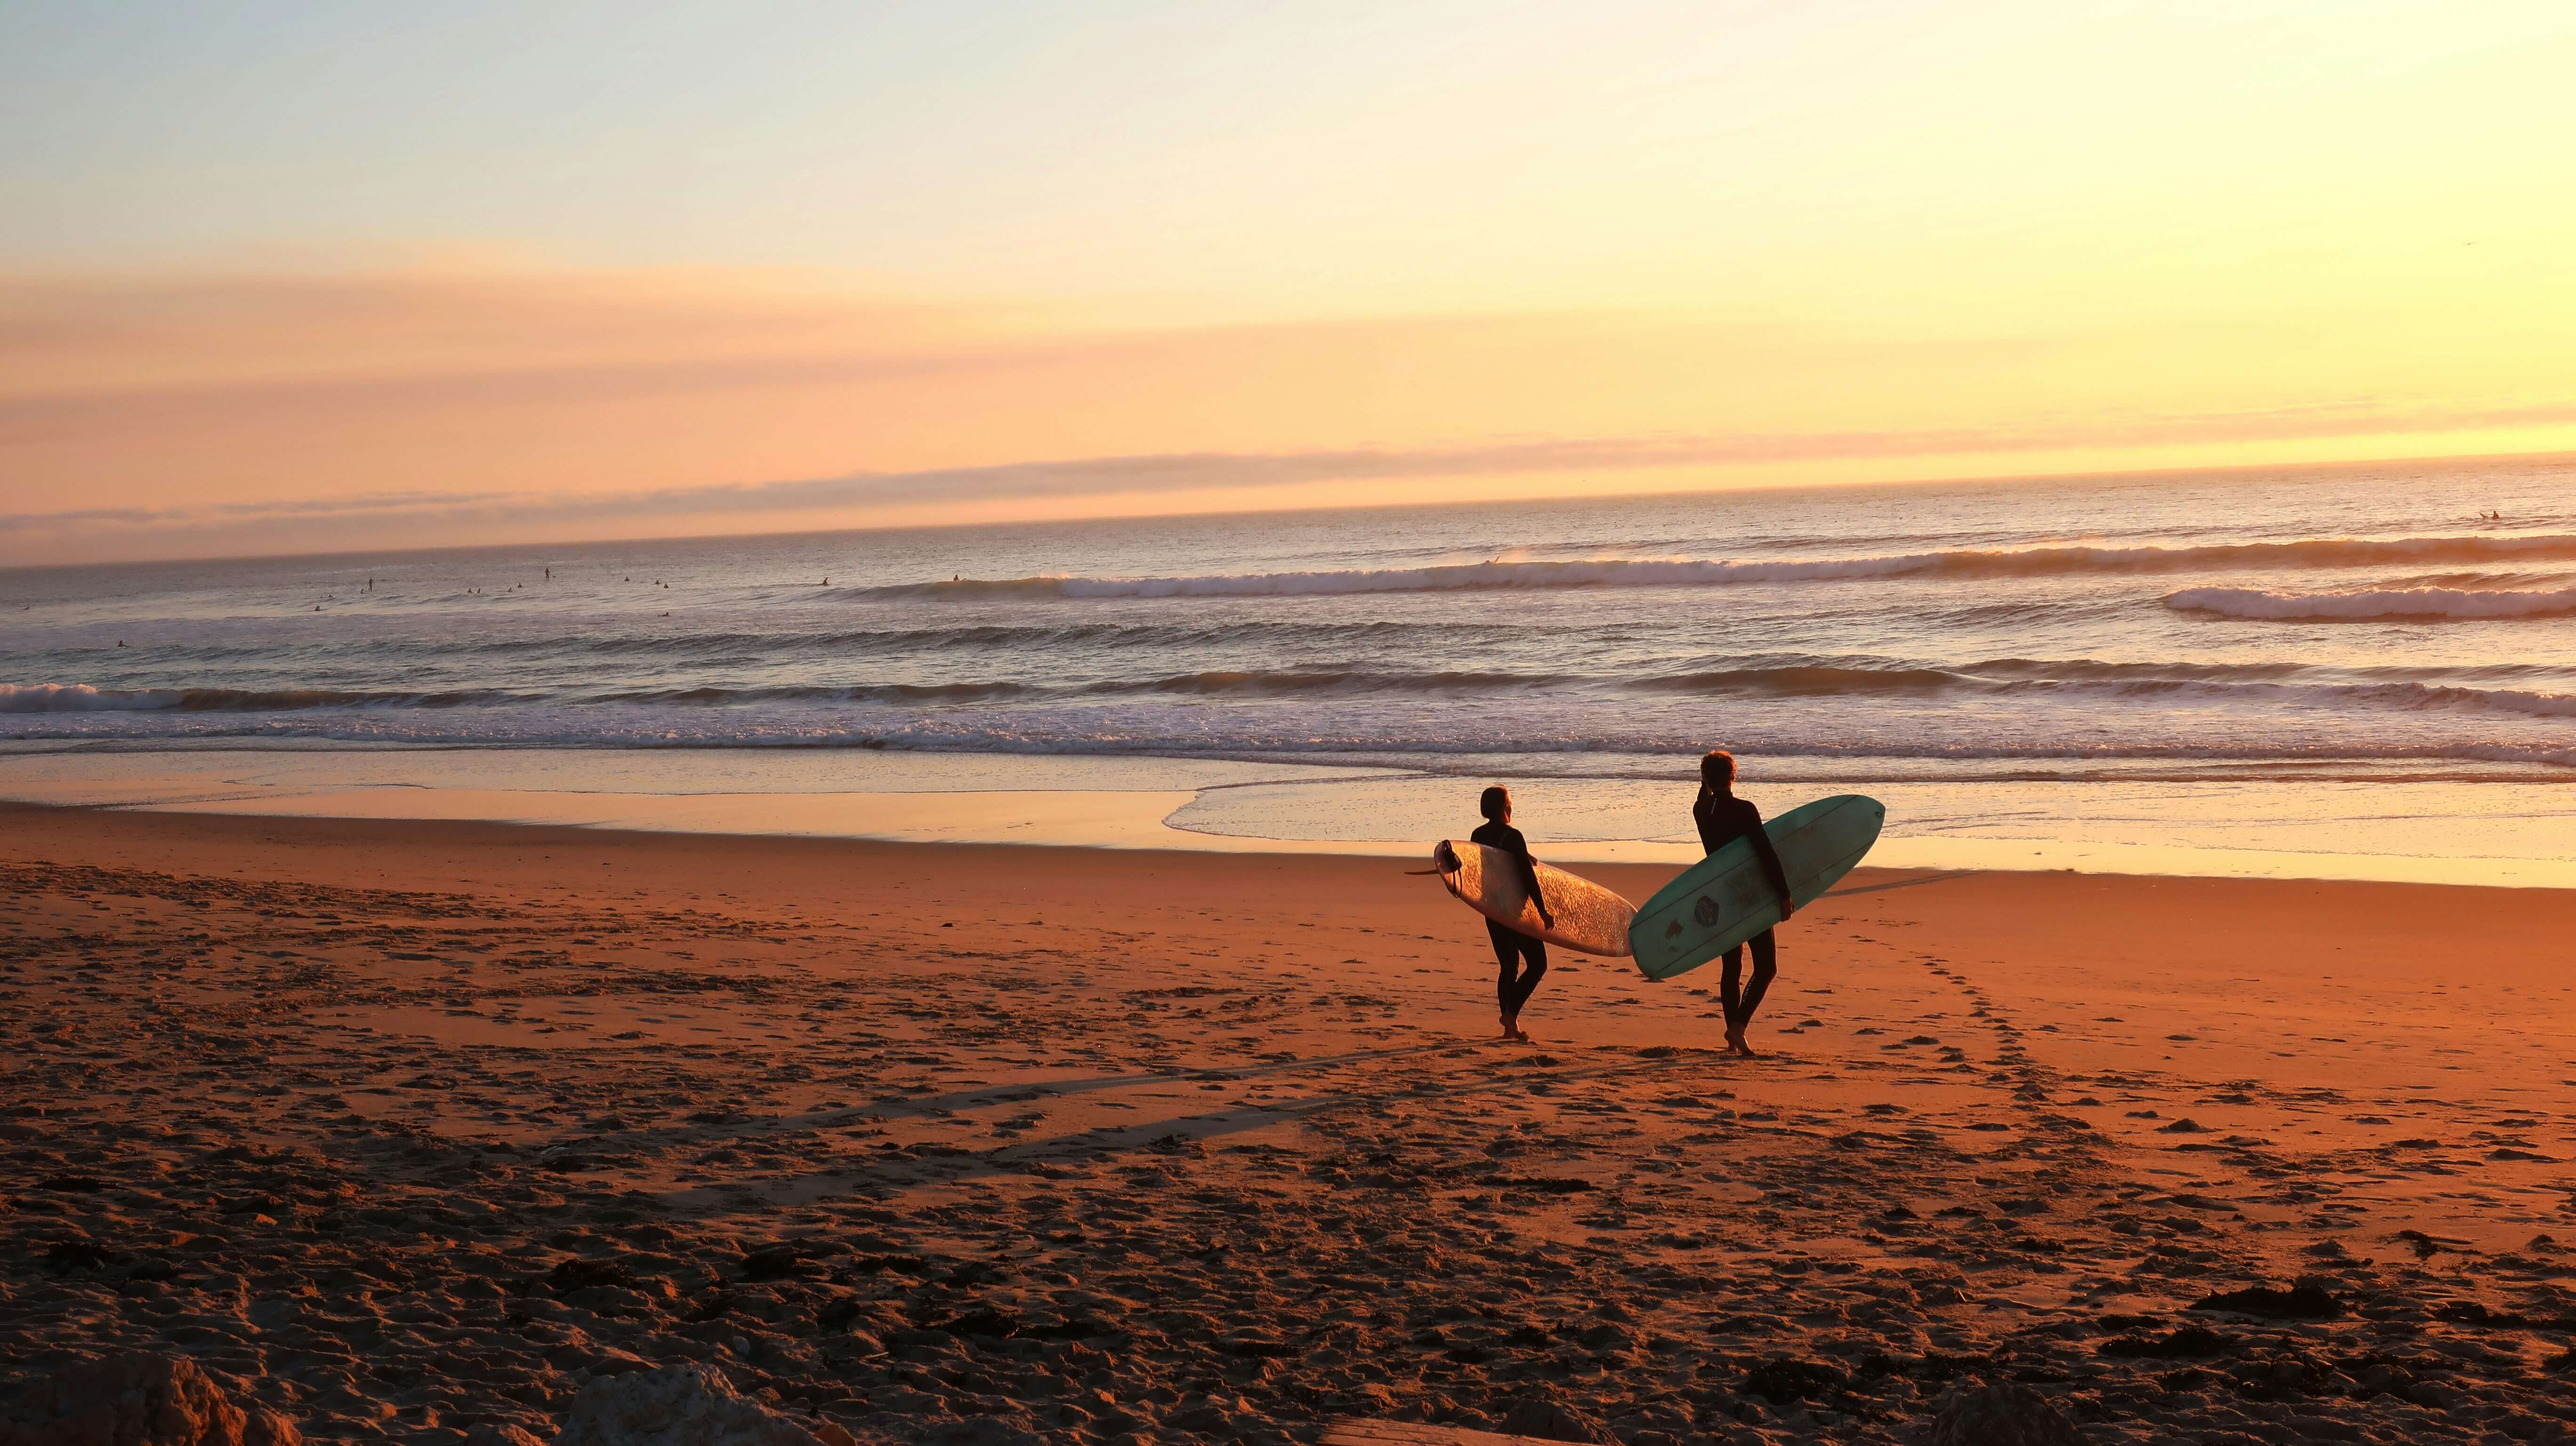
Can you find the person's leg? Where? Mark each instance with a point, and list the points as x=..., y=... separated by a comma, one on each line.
x=1533, y=969
x=1765, y=966
x=1730, y=988
x=1507, y=949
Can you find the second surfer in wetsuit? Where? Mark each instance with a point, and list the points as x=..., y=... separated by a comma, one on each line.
x=1723, y=818
x=1523, y=959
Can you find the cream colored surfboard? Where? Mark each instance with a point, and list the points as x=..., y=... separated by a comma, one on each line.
x=1589, y=918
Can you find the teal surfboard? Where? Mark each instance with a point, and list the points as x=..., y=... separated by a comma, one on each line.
x=1727, y=898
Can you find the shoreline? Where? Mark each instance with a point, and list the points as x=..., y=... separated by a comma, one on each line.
x=2493, y=835
x=1649, y=860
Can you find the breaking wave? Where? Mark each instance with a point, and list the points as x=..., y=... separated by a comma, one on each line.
x=2429, y=604
x=1897, y=682
x=25, y=698
x=83, y=698
x=1710, y=572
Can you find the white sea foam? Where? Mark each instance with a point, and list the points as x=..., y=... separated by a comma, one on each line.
x=1855, y=679
x=2373, y=604
x=2176, y=720
x=1513, y=569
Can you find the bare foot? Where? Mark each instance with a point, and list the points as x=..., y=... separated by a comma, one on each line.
x=1518, y=1034
x=1735, y=1044
x=1511, y=1028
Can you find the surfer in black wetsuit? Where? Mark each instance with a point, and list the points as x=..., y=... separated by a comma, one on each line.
x=1723, y=818
x=1523, y=959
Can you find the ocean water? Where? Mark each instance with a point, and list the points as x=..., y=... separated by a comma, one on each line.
x=2370, y=660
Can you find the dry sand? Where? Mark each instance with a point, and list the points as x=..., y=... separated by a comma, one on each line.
x=415, y=1127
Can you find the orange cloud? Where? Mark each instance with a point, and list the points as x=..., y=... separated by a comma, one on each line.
x=264, y=414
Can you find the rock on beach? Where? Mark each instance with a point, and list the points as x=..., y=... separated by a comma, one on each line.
x=139, y=1398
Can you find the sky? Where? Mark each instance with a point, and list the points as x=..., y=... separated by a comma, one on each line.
x=290, y=277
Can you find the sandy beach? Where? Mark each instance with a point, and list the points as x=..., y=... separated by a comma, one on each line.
x=410, y=1129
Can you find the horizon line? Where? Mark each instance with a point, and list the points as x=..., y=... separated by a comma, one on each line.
x=1976, y=479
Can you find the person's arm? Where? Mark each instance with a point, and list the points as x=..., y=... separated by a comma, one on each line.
x=1770, y=860
x=1529, y=878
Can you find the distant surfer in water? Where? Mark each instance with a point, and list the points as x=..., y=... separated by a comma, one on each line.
x=1723, y=818
x=1523, y=959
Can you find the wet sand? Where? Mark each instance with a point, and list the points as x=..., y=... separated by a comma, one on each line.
x=413, y=1127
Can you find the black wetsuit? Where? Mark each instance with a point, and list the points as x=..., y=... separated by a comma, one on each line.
x=1512, y=948
x=1723, y=818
